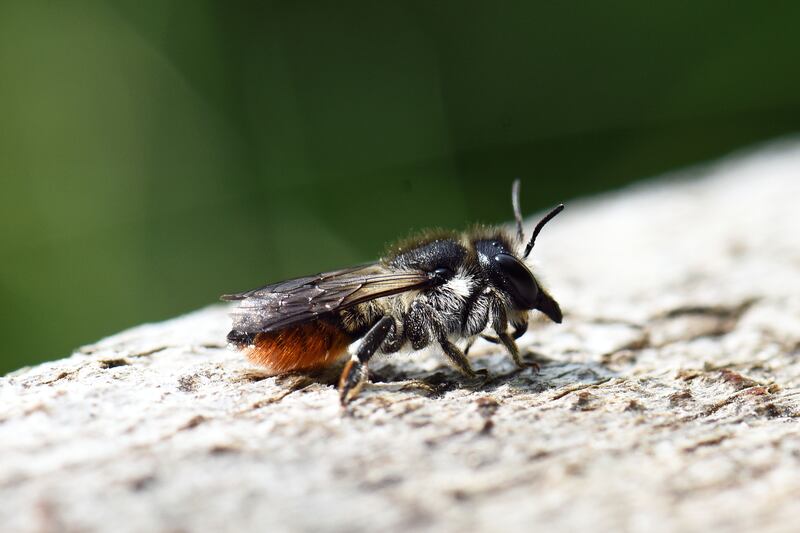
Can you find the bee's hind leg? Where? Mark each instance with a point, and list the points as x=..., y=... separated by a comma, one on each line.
x=355, y=372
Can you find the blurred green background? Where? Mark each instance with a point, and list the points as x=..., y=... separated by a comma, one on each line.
x=156, y=154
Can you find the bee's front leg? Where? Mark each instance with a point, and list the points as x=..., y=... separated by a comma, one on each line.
x=519, y=331
x=500, y=326
x=355, y=372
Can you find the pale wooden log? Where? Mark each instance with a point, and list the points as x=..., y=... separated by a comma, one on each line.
x=668, y=399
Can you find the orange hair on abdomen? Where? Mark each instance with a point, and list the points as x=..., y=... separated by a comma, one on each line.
x=308, y=346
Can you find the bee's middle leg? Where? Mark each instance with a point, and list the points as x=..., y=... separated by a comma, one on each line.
x=355, y=372
x=458, y=359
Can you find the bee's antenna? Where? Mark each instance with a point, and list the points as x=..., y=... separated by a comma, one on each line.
x=517, y=213
x=548, y=217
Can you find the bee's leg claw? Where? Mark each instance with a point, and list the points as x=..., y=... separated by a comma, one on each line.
x=353, y=378
x=529, y=360
x=533, y=365
x=524, y=361
x=478, y=378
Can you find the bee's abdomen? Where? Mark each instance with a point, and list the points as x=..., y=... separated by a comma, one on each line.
x=308, y=346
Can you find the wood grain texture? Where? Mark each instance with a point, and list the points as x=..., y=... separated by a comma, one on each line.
x=668, y=399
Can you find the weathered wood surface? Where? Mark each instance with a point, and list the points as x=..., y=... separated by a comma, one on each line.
x=667, y=401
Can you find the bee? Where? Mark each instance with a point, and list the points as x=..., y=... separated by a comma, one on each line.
x=439, y=288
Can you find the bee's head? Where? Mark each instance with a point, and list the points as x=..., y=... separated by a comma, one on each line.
x=508, y=272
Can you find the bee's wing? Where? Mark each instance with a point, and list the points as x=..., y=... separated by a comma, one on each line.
x=299, y=300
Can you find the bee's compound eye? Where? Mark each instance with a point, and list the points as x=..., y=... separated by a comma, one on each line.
x=443, y=273
x=518, y=280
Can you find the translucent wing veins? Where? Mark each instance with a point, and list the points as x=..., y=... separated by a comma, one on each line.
x=299, y=300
